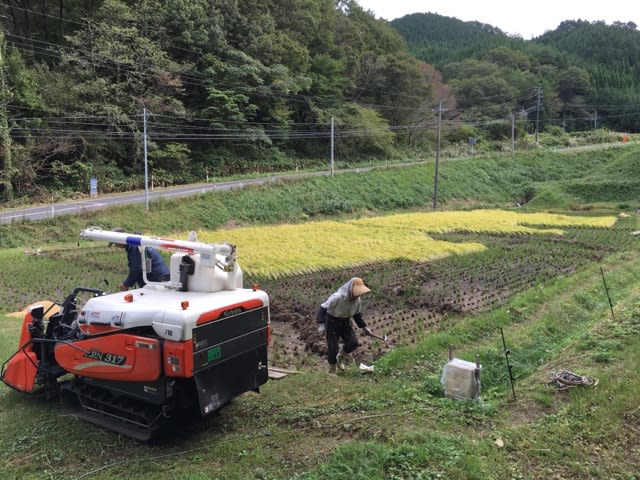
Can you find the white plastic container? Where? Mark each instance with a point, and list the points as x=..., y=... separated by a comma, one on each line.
x=207, y=277
x=461, y=379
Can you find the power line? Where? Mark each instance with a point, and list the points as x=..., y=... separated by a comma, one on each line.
x=193, y=80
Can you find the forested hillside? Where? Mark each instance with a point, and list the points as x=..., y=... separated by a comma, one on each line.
x=174, y=91
x=611, y=57
x=220, y=86
x=581, y=76
x=443, y=40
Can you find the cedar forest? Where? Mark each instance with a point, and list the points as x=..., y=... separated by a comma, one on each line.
x=230, y=87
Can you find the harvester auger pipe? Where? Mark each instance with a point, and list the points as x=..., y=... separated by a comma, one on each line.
x=225, y=249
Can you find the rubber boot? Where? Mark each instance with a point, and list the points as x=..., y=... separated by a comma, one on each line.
x=332, y=369
x=341, y=358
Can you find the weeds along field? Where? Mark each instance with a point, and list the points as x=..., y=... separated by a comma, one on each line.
x=451, y=277
x=414, y=298
x=543, y=288
x=424, y=267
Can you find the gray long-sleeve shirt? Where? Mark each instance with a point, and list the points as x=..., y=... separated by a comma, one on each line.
x=342, y=304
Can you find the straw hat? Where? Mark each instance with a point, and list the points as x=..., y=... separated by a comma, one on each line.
x=358, y=287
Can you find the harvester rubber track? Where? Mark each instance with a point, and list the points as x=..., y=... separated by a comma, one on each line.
x=130, y=417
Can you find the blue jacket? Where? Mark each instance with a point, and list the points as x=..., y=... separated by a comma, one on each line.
x=158, y=268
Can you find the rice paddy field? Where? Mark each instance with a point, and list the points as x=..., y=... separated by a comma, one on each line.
x=557, y=277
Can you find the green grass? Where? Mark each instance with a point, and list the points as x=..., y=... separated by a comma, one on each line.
x=395, y=424
x=466, y=183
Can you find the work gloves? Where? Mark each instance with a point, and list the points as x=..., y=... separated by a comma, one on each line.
x=367, y=331
x=321, y=319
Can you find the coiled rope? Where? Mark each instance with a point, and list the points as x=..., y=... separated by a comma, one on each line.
x=563, y=379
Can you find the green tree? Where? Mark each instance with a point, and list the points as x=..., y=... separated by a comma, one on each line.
x=509, y=57
x=361, y=132
x=572, y=82
x=6, y=168
x=117, y=69
x=115, y=73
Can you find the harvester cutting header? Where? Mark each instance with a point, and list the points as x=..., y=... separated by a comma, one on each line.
x=132, y=361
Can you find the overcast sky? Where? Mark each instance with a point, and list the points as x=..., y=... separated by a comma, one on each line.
x=528, y=19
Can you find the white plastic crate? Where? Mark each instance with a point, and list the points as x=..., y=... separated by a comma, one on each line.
x=461, y=379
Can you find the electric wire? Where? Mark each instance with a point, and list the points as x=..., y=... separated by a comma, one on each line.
x=198, y=79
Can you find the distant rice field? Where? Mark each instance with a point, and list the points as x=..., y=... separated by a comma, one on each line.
x=275, y=251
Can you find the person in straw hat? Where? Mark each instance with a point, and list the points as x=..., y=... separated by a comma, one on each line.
x=334, y=320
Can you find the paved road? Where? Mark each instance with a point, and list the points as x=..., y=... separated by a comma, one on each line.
x=104, y=201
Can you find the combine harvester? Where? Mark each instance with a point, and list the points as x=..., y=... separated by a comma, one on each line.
x=134, y=361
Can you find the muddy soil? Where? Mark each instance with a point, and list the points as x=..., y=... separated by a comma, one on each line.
x=404, y=306
x=410, y=299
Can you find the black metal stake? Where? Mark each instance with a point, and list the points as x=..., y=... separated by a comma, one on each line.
x=606, y=289
x=509, y=367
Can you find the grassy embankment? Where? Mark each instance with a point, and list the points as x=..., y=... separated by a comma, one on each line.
x=394, y=424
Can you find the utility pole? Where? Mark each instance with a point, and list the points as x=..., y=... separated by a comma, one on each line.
x=522, y=113
x=435, y=181
x=6, y=191
x=539, y=93
x=332, y=146
x=513, y=134
x=146, y=169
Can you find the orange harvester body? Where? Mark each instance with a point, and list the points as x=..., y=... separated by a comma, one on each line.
x=135, y=361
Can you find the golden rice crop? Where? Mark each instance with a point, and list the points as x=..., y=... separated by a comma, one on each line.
x=490, y=221
x=289, y=249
